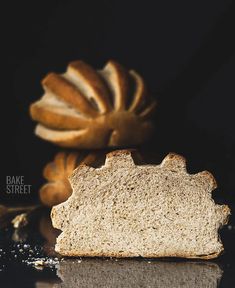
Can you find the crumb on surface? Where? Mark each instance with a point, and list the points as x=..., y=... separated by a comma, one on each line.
x=20, y=221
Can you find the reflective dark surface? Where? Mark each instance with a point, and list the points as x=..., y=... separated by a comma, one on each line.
x=22, y=249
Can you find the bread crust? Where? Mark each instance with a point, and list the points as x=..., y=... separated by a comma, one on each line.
x=99, y=105
x=129, y=255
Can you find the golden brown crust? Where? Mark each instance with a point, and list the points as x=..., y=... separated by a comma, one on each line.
x=51, y=117
x=119, y=153
x=210, y=178
x=94, y=80
x=173, y=160
x=140, y=93
x=66, y=91
x=99, y=134
x=99, y=106
x=122, y=84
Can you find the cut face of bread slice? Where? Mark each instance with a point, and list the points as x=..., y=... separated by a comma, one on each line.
x=88, y=109
x=138, y=274
x=126, y=210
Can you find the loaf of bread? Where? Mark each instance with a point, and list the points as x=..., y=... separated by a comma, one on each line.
x=94, y=273
x=128, y=210
x=88, y=109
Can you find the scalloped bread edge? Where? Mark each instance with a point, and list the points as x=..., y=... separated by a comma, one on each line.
x=168, y=160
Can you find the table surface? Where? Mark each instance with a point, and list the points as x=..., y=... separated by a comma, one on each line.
x=21, y=249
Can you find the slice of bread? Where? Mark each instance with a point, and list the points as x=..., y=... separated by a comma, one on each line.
x=126, y=210
x=139, y=274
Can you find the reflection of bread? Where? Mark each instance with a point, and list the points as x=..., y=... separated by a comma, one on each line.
x=85, y=108
x=58, y=188
x=131, y=273
x=125, y=210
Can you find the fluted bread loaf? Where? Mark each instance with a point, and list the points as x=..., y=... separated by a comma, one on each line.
x=88, y=109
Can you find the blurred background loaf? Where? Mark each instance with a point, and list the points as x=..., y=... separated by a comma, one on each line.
x=88, y=109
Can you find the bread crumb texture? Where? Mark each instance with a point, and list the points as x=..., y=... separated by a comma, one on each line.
x=126, y=210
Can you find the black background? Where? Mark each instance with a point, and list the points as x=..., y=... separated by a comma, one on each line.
x=184, y=50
